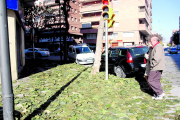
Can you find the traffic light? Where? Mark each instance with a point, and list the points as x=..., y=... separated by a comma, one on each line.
x=111, y=18
x=105, y=9
x=107, y=13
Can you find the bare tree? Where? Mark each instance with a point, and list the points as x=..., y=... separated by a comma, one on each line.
x=97, y=61
x=157, y=35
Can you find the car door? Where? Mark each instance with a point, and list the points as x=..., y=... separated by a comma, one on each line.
x=112, y=58
x=70, y=53
x=29, y=52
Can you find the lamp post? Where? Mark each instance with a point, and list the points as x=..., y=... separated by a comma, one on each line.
x=33, y=33
x=58, y=1
x=6, y=80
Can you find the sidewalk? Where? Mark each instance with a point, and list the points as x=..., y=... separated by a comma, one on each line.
x=52, y=57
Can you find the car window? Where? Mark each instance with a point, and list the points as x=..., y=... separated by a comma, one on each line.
x=30, y=50
x=122, y=52
x=80, y=50
x=104, y=53
x=173, y=48
x=113, y=53
x=138, y=51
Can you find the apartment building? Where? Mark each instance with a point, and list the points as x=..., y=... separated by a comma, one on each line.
x=51, y=30
x=132, y=21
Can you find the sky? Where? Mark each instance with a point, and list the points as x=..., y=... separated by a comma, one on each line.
x=165, y=17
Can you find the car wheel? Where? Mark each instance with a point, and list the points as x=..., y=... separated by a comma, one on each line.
x=119, y=72
x=77, y=62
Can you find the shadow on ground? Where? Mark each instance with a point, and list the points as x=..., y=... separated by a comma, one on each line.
x=52, y=98
x=33, y=66
x=17, y=114
x=143, y=84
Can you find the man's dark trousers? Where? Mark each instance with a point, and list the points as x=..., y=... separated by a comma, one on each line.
x=154, y=81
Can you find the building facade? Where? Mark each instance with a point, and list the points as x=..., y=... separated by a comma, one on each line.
x=52, y=34
x=16, y=31
x=132, y=21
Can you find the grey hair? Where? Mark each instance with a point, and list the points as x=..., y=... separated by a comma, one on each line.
x=155, y=38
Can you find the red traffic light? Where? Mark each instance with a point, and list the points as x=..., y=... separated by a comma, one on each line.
x=105, y=2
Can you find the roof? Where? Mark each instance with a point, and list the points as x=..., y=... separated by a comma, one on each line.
x=125, y=47
x=79, y=45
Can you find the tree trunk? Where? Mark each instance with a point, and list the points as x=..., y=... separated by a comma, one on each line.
x=97, y=61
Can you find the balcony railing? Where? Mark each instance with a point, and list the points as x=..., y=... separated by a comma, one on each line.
x=86, y=25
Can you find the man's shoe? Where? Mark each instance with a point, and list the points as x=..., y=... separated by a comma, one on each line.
x=159, y=97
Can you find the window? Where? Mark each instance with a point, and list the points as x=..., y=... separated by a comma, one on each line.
x=122, y=52
x=75, y=11
x=72, y=28
x=91, y=36
x=76, y=19
x=128, y=34
x=72, y=19
x=116, y=13
x=113, y=53
x=71, y=9
x=116, y=24
x=116, y=1
x=114, y=35
x=142, y=9
x=79, y=4
x=75, y=28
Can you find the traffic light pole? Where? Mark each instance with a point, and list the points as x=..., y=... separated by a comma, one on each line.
x=6, y=80
x=106, y=38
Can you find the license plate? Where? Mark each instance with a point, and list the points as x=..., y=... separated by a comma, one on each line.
x=143, y=65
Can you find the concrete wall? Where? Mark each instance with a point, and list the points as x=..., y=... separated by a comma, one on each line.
x=14, y=41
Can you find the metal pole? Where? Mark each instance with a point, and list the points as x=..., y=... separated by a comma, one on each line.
x=60, y=31
x=6, y=80
x=106, y=37
x=33, y=33
x=33, y=44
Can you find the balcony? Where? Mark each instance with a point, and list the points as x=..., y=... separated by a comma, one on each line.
x=143, y=15
x=86, y=25
x=90, y=19
x=144, y=29
x=91, y=9
x=84, y=1
x=91, y=30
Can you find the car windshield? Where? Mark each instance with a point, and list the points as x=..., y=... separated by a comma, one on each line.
x=80, y=50
x=40, y=49
x=173, y=48
x=138, y=51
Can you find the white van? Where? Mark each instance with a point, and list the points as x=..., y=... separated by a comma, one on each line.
x=81, y=54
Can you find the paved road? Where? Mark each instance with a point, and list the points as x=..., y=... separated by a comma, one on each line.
x=172, y=72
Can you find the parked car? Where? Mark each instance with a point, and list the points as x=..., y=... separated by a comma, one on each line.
x=45, y=49
x=125, y=61
x=81, y=54
x=58, y=52
x=173, y=50
x=38, y=52
x=93, y=48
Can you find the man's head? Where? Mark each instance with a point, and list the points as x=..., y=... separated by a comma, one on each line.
x=154, y=40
